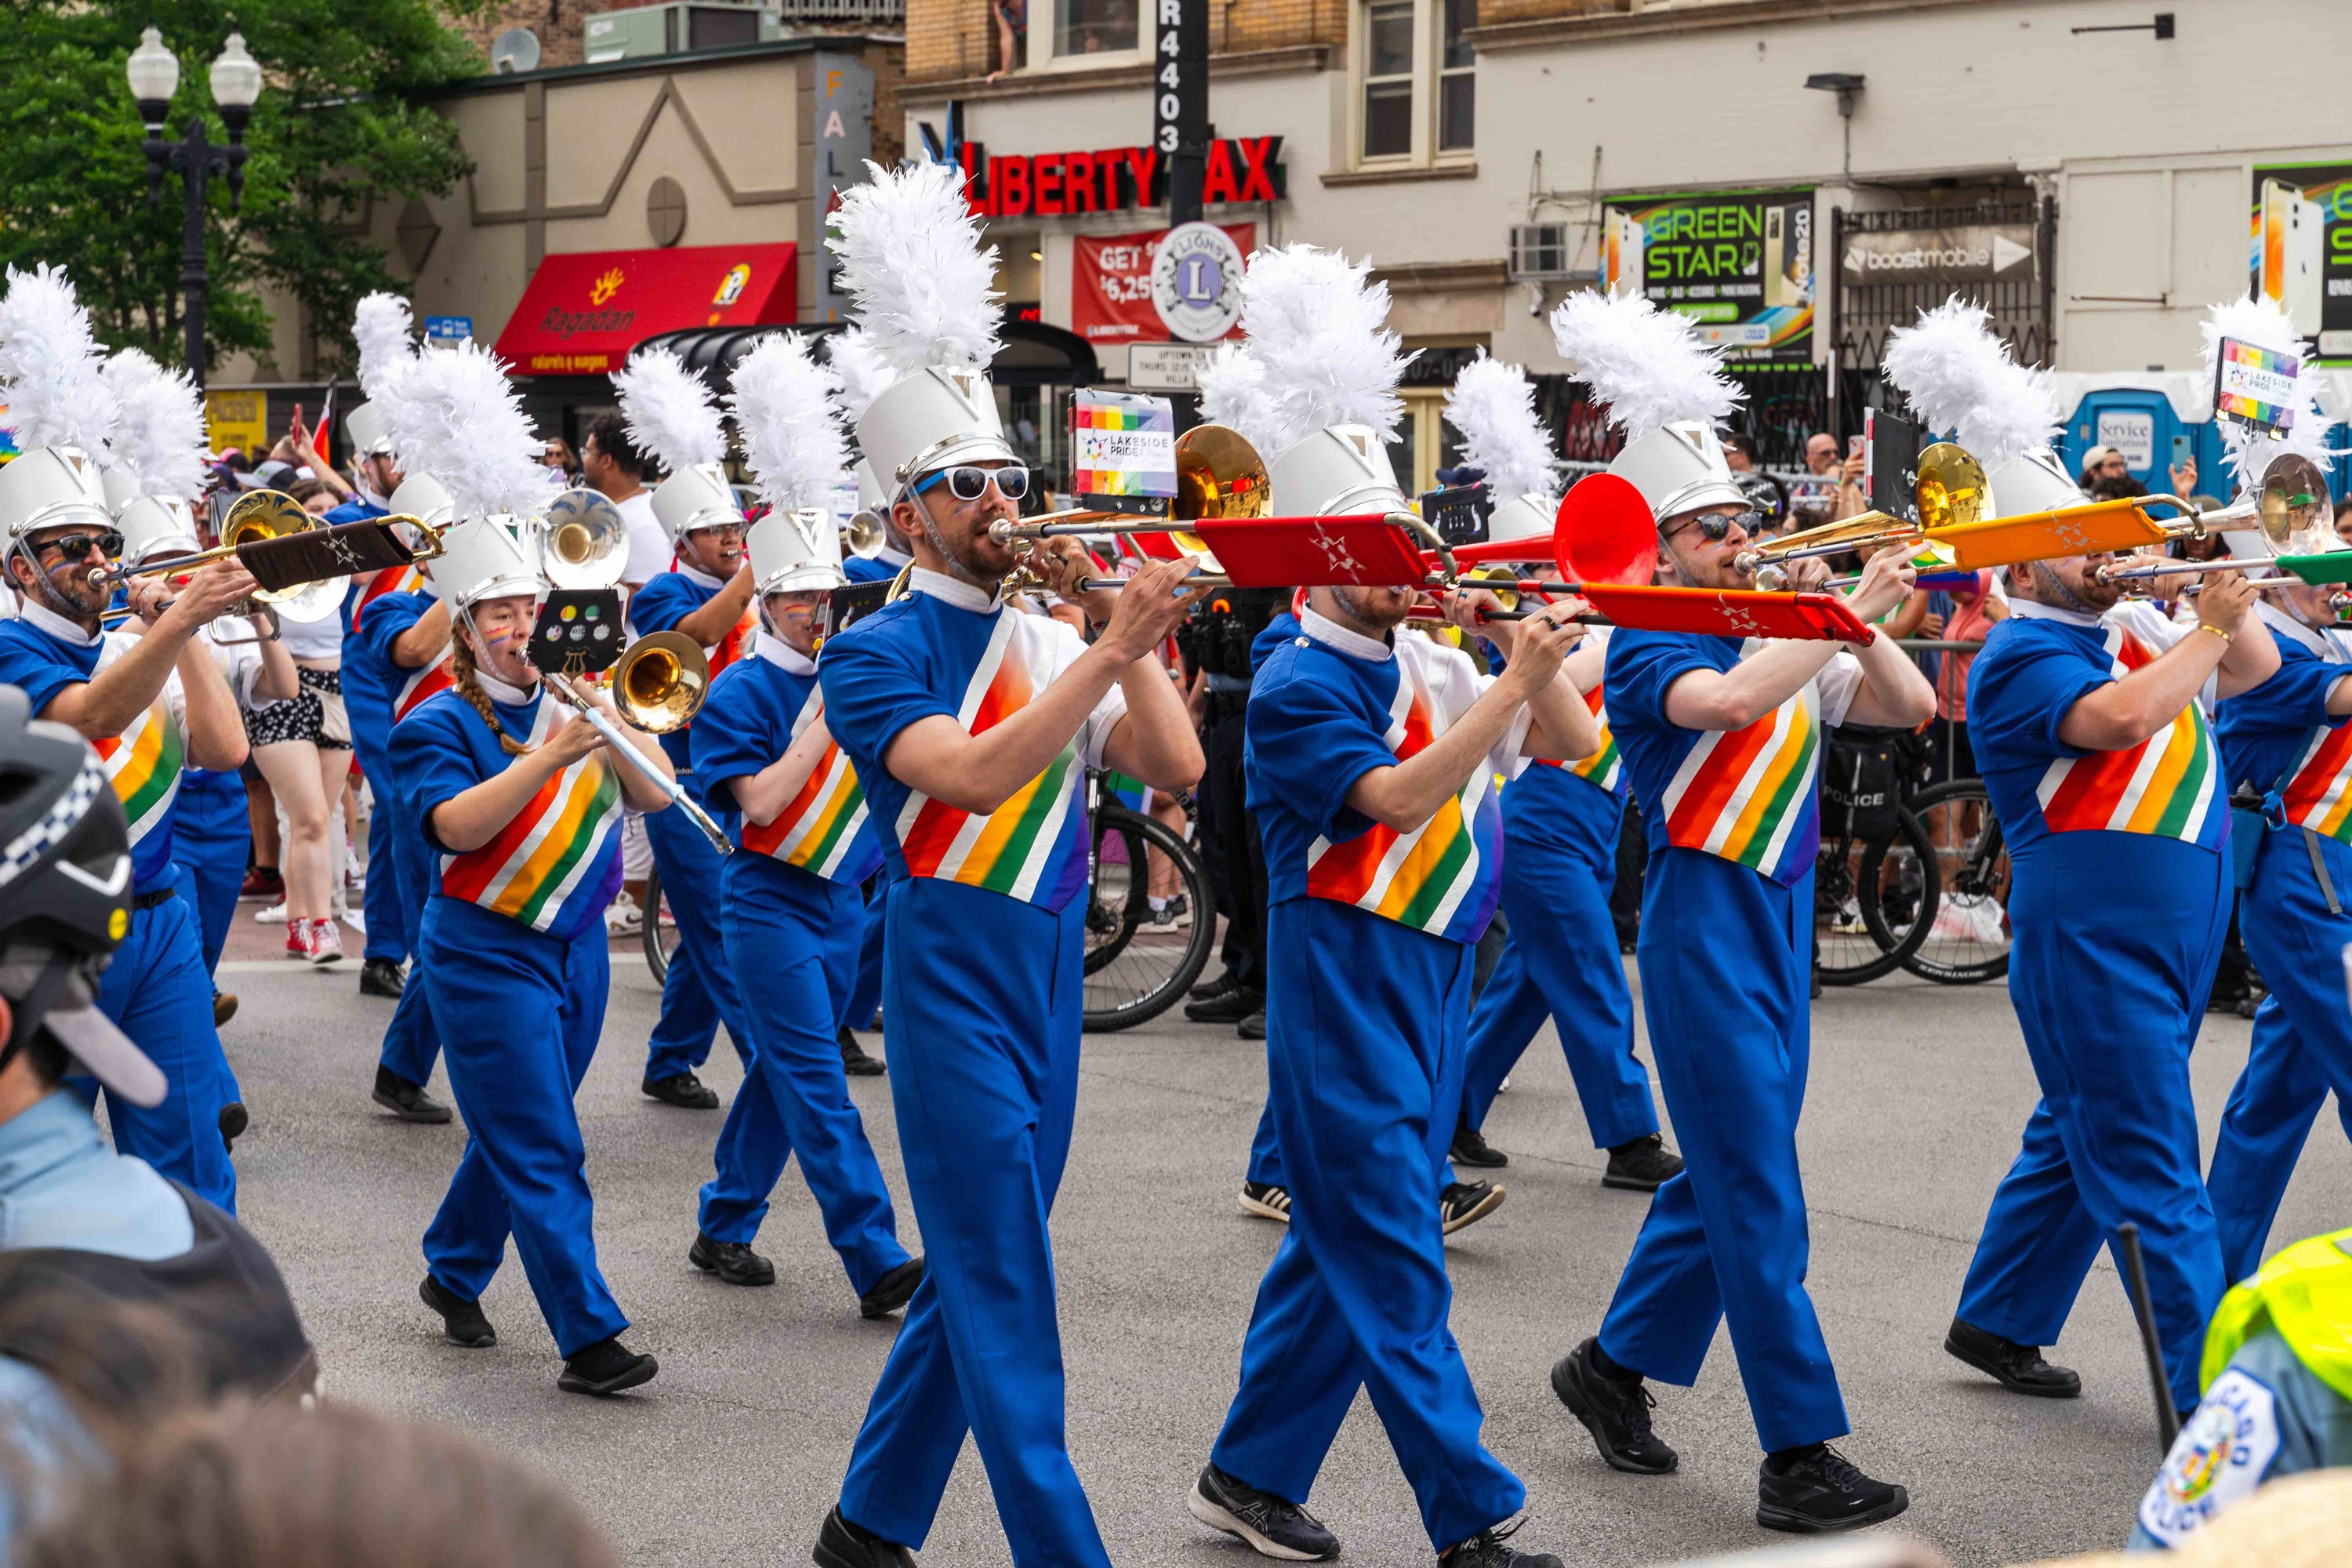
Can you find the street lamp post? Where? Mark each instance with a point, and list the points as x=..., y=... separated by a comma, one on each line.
x=154, y=72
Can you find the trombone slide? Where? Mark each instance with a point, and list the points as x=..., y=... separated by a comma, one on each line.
x=562, y=688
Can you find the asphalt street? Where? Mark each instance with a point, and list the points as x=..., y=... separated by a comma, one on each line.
x=735, y=1452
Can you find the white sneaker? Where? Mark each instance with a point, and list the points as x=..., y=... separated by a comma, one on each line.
x=622, y=916
x=273, y=914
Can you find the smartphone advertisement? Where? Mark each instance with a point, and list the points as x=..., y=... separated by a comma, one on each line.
x=2299, y=250
x=1739, y=263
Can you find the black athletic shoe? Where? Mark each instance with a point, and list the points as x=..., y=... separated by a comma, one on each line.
x=224, y=1007
x=1471, y=1148
x=1823, y=1492
x=1467, y=1202
x=1230, y=1008
x=606, y=1367
x=462, y=1323
x=1252, y=1027
x=382, y=977
x=2016, y=1367
x=1265, y=1200
x=1491, y=1548
x=1224, y=985
x=894, y=1291
x=840, y=1544
x=733, y=1261
x=1269, y=1525
x=1642, y=1165
x=684, y=1090
x=1615, y=1411
x=853, y=1059
x=233, y=1121
x=407, y=1101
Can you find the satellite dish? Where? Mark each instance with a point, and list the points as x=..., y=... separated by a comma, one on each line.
x=516, y=49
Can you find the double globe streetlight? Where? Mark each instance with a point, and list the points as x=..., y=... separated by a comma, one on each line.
x=154, y=72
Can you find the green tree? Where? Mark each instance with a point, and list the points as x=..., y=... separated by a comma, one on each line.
x=340, y=130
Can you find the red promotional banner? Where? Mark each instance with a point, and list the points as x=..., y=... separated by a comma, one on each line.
x=582, y=311
x=1110, y=285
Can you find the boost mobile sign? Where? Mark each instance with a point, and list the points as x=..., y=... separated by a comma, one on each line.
x=1739, y=263
x=1975, y=253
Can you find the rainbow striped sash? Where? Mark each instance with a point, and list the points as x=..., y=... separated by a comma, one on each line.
x=820, y=827
x=2165, y=787
x=1604, y=767
x=390, y=579
x=433, y=678
x=548, y=867
x=1748, y=794
x=142, y=764
x=2316, y=793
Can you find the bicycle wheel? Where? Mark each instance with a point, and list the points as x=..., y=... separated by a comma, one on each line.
x=658, y=940
x=1874, y=901
x=1134, y=970
x=1968, y=942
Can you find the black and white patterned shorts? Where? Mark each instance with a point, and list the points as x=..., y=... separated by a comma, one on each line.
x=314, y=714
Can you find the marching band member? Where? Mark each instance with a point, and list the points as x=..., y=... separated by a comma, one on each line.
x=1560, y=824
x=1722, y=740
x=148, y=703
x=520, y=801
x=1370, y=760
x=971, y=726
x=387, y=948
x=705, y=595
x=789, y=900
x=2100, y=763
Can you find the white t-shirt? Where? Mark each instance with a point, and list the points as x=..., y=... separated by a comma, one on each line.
x=649, y=542
x=319, y=641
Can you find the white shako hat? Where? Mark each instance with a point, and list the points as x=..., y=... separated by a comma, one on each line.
x=470, y=454
x=484, y=558
x=1959, y=377
x=156, y=454
x=365, y=427
x=795, y=551
x=2030, y=482
x=670, y=415
x=61, y=409
x=872, y=497
x=927, y=313
x=1312, y=385
x=782, y=400
x=156, y=525
x=1665, y=389
x=422, y=496
x=1493, y=405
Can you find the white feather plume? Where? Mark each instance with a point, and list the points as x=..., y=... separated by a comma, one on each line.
x=1318, y=351
x=2262, y=323
x=51, y=372
x=669, y=410
x=782, y=404
x=858, y=371
x=381, y=326
x=460, y=419
x=1494, y=406
x=912, y=257
x=1958, y=377
x=159, y=428
x=1647, y=364
x=1235, y=392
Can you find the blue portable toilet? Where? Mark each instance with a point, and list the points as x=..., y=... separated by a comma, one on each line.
x=2141, y=413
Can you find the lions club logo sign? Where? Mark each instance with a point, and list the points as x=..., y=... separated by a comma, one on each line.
x=2217, y=1461
x=1196, y=282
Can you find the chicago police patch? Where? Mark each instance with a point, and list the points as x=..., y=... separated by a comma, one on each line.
x=2218, y=1460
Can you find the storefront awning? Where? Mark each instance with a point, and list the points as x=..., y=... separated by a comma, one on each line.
x=582, y=312
x=1033, y=353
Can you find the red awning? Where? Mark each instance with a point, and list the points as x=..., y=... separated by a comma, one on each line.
x=581, y=314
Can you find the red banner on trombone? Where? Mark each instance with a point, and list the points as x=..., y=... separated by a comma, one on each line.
x=1728, y=612
x=1363, y=550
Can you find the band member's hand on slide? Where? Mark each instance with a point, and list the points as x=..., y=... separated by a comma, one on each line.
x=1151, y=607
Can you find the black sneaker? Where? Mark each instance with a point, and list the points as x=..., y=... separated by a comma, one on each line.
x=1467, y=1202
x=1616, y=1411
x=462, y=1323
x=233, y=1121
x=840, y=1544
x=407, y=1100
x=2016, y=1367
x=853, y=1059
x=894, y=1291
x=1821, y=1492
x=1252, y=1027
x=1269, y=1525
x=684, y=1090
x=1265, y=1200
x=382, y=977
x=1230, y=1008
x=1471, y=1148
x=606, y=1367
x=1642, y=1165
x=733, y=1261
x=1224, y=985
x=1491, y=1548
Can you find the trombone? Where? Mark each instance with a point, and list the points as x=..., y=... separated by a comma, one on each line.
x=1948, y=490
x=2291, y=511
x=256, y=517
x=660, y=681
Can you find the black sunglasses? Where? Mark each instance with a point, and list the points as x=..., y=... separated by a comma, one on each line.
x=77, y=545
x=1716, y=526
x=968, y=482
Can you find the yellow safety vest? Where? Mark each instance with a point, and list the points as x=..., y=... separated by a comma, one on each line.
x=2305, y=1293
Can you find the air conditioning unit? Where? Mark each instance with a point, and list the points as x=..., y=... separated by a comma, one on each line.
x=1539, y=252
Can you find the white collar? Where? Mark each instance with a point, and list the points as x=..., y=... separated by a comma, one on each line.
x=695, y=574
x=56, y=625
x=2035, y=610
x=2282, y=624
x=952, y=590
x=1355, y=645
x=782, y=654
x=500, y=691
x=895, y=559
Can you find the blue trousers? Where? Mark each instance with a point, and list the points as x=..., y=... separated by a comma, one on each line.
x=1561, y=961
x=412, y=1042
x=792, y=940
x=2303, y=1039
x=158, y=991
x=865, y=994
x=699, y=993
x=1366, y=1048
x=212, y=838
x=2114, y=947
x=524, y=1011
x=982, y=1004
x=1726, y=1240
x=388, y=936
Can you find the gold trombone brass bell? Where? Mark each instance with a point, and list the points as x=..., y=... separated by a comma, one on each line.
x=1219, y=477
x=660, y=681
x=1950, y=487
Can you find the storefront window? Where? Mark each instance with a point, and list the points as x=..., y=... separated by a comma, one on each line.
x=1096, y=27
x=1457, y=79
x=1388, y=80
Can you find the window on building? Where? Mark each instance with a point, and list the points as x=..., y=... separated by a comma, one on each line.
x=1458, y=78
x=1096, y=27
x=1418, y=94
x=1388, y=79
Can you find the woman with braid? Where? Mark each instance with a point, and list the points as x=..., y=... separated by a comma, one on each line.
x=516, y=796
